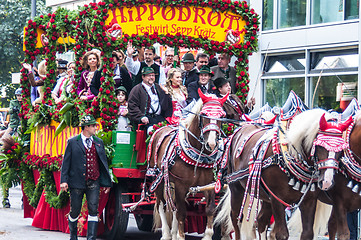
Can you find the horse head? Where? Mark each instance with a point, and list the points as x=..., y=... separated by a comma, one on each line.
x=209, y=121
x=327, y=149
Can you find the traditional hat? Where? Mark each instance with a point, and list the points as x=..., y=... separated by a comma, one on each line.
x=147, y=70
x=219, y=82
x=62, y=64
x=188, y=57
x=121, y=88
x=206, y=69
x=87, y=120
x=18, y=91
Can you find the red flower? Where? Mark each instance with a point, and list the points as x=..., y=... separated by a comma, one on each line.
x=107, y=91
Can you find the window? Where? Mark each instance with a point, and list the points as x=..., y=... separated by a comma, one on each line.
x=267, y=17
x=352, y=9
x=287, y=63
x=277, y=89
x=292, y=13
x=331, y=91
x=335, y=60
x=324, y=11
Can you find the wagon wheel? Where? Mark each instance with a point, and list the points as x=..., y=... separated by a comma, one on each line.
x=116, y=220
x=144, y=221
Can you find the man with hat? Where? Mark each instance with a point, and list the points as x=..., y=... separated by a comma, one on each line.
x=85, y=170
x=234, y=107
x=225, y=71
x=135, y=67
x=204, y=83
x=147, y=103
x=190, y=72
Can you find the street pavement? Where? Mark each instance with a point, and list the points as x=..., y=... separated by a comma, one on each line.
x=13, y=226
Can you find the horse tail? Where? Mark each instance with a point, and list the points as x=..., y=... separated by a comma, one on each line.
x=295, y=224
x=248, y=228
x=157, y=222
x=223, y=210
x=322, y=214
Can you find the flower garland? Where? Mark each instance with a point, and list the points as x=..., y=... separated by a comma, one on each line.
x=90, y=32
x=228, y=128
x=46, y=165
x=155, y=128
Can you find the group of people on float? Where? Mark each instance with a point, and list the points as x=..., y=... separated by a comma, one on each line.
x=149, y=92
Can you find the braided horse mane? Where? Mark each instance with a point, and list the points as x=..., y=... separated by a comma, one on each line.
x=303, y=130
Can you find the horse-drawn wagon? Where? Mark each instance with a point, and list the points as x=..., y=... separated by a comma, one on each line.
x=213, y=26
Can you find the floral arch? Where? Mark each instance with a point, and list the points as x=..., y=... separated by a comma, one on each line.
x=91, y=26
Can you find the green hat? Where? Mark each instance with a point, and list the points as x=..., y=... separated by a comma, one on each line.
x=206, y=69
x=147, y=70
x=219, y=82
x=121, y=88
x=18, y=91
x=188, y=57
x=87, y=120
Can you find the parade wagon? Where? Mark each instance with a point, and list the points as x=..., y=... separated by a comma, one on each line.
x=218, y=26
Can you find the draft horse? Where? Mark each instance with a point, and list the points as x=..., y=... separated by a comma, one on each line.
x=345, y=195
x=183, y=157
x=261, y=166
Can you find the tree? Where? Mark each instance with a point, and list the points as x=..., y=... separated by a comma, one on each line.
x=14, y=15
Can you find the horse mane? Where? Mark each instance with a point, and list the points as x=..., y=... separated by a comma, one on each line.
x=195, y=109
x=357, y=116
x=303, y=130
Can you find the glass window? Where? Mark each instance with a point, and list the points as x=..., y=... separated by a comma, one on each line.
x=333, y=91
x=267, y=21
x=335, y=60
x=292, y=13
x=277, y=89
x=286, y=63
x=352, y=9
x=324, y=11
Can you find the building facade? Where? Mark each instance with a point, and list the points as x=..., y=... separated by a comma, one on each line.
x=311, y=47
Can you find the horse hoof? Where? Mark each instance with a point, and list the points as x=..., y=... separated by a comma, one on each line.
x=166, y=238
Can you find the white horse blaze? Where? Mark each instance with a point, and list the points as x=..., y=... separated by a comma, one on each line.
x=212, y=138
x=329, y=173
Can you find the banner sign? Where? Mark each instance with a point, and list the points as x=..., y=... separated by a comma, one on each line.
x=187, y=20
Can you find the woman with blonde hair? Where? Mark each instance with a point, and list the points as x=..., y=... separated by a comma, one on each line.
x=90, y=63
x=178, y=93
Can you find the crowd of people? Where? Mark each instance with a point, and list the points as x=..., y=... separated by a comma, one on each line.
x=149, y=90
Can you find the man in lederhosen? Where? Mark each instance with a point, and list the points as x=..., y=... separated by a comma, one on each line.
x=85, y=170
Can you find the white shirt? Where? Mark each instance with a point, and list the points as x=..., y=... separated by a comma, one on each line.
x=83, y=138
x=134, y=66
x=59, y=84
x=154, y=99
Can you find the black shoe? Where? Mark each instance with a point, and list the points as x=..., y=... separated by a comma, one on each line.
x=92, y=230
x=6, y=203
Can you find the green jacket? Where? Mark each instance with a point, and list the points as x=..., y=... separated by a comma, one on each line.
x=14, y=113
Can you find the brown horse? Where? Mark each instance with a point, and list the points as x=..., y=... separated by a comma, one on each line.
x=184, y=157
x=267, y=175
x=344, y=196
